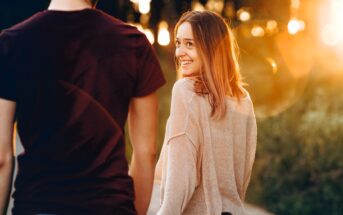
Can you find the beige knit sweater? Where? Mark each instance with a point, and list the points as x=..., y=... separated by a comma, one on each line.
x=205, y=165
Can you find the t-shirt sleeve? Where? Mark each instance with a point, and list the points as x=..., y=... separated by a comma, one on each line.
x=149, y=73
x=7, y=75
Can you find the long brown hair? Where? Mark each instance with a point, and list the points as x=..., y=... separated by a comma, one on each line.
x=217, y=48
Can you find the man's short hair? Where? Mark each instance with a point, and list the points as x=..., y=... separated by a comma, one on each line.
x=94, y=2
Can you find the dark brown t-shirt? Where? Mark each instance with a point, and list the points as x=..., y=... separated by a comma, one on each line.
x=72, y=75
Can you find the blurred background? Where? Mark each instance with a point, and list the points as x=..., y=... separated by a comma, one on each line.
x=292, y=60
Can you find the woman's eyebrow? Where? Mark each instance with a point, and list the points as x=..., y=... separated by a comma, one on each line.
x=185, y=39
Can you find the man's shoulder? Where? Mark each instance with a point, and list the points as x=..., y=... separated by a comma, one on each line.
x=24, y=25
x=117, y=26
x=17, y=32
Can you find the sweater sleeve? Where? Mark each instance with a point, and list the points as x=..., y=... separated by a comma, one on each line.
x=180, y=151
x=250, y=150
x=181, y=175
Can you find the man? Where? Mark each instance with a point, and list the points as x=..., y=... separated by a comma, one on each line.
x=70, y=76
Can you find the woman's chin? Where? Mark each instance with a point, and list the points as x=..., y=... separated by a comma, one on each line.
x=186, y=73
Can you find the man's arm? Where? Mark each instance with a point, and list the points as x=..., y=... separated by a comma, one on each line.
x=142, y=129
x=7, y=110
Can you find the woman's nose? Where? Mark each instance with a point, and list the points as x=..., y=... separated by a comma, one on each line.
x=179, y=52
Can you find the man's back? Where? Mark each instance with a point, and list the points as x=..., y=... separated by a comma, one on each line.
x=74, y=73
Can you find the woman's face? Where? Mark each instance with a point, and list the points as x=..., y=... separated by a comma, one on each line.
x=186, y=52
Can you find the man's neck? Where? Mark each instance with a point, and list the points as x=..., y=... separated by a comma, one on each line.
x=69, y=5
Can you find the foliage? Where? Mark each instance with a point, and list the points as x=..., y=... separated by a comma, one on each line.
x=299, y=162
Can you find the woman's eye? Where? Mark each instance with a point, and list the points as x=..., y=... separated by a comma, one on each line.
x=189, y=44
x=177, y=43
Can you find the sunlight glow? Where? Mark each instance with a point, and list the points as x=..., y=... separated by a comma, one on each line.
x=243, y=15
x=197, y=6
x=218, y=6
x=273, y=64
x=337, y=13
x=331, y=35
x=272, y=27
x=293, y=26
x=295, y=4
x=149, y=34
x=257, y=31
x=144, y=6
x=163, y=37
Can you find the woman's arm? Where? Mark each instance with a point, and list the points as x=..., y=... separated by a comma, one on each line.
x=181, y=175
x=250, y=152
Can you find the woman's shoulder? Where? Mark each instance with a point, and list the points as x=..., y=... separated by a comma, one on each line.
x=243, y=105
x=183, y=91
x=246, y=97
x=183, y=85
x=184, y=88
x=243, y=99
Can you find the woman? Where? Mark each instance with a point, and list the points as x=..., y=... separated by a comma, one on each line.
x=210, y=142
